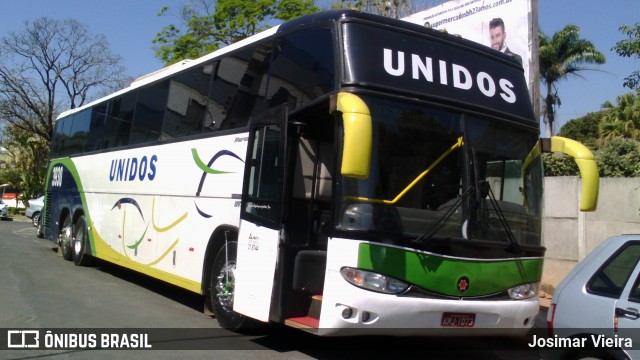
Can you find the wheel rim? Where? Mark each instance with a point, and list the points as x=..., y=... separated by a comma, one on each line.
x=225, y=285
x=65, y=237
x=77, y=242
x=35, y=219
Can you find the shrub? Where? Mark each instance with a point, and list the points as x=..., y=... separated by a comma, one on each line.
x=619, y=158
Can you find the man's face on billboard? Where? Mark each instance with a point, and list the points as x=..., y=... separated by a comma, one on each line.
x=497, y=37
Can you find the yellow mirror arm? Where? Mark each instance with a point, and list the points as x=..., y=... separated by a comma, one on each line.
x=588, y=169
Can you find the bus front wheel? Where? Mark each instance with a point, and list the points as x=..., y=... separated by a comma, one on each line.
x=65, y=238
x=222, y=287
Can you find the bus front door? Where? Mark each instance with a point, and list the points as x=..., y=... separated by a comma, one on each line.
x=261, y=215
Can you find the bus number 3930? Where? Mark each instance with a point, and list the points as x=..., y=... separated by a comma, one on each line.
x=56, y=176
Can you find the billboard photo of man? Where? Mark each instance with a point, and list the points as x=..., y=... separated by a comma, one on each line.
x=483, y=21
x=499, y=37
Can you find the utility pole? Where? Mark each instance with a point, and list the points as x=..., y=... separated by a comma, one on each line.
x=534, y=65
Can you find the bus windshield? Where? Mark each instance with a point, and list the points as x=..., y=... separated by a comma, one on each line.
x=444, y=174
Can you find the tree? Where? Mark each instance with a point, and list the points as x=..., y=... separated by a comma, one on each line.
x=621, y=120
x=619, y=158
x=29, y=161
x=630, y=47
x=584, y=129
x=562, y=56
x=209, y=24
x=560, y=165
x=394, y=8
x=49, y=66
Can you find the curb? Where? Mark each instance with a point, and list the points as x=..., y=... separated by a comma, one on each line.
x=17, y=219
x=545, y=301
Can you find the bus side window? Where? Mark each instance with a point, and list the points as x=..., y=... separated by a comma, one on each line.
x=56, y=141
x=149, y=113
x=239, y=82
x=97, y=127
x=64, y=138
x=186, y=106
x=78, y=132
x=119, y=120
x=302, y=68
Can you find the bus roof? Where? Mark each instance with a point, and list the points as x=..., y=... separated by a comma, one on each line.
x=322, y=17
x=175, y=68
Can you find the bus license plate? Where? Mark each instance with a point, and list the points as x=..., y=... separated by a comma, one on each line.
x=458, y=319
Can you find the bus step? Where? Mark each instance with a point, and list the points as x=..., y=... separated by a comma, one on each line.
x=305, y=323
x=316, y=305
x=311, y=322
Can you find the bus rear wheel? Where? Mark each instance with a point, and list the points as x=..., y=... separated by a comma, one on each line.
x=40, y=228
x=79, y=243
x=65, y=238
x=223, y=287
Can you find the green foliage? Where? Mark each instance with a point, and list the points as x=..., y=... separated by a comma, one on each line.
x=584, y=129
x=208, y=25
x=49, y=66
x=561, y=56
x=619, y=158
x=618, y=153
x=29, y=161
x=394, y=8
x=621, y=120
x=630, y=47
x=559, y=165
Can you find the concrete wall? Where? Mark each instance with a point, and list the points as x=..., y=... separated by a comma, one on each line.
x=570, y=235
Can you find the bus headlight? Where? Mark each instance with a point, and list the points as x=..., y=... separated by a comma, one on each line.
x=525, y=291
x=373, y=281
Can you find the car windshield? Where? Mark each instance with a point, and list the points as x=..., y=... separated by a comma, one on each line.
x=441, y=173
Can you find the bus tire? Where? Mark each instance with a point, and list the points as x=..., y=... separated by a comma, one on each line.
x=222, y=287
x=79, y=243
x=40, y=228
x=65, y=238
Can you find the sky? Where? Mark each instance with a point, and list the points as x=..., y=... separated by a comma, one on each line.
x=131, y=25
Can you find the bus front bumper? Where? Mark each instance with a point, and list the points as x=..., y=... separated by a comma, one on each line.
x=348, y=310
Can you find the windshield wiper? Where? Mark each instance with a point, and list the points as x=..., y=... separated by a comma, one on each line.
x=440, y=223
x=515, y=246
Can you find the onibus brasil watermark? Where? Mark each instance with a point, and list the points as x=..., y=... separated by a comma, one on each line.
x=40, y=339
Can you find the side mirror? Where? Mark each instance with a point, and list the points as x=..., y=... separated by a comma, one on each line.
x=358, y=135
x=586, y=163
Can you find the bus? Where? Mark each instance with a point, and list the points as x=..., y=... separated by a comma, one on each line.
x=341, y=173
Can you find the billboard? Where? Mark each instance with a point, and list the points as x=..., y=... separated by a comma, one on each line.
x=505, y=25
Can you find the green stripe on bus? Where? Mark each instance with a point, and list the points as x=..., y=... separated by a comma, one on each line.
x=441, y=274
x=71, y=167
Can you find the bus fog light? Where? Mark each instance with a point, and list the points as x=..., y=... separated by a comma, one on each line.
x=365, y=316
x=373, y=281
x=525, y=291
x=347, y=312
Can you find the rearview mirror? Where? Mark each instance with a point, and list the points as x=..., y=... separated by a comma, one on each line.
x=356, y=118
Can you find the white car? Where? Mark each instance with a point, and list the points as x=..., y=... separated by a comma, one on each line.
x=4, y=210
x=595, y=311
x=34, y=209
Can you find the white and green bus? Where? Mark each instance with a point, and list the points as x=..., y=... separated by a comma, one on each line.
x=342, y=173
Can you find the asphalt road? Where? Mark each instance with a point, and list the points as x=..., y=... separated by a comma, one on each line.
x=40, y=290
